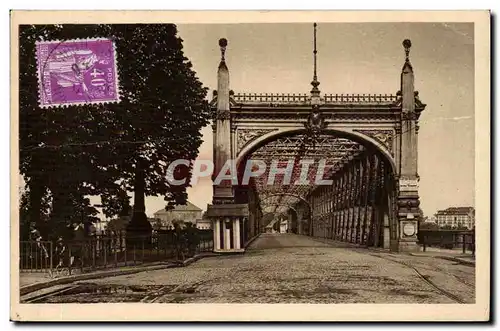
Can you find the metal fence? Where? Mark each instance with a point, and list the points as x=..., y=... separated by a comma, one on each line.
x=448, y=239
x=36, y=256
x=109, y=251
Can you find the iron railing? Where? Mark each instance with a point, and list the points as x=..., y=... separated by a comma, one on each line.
x=110, y=251
x=271, y=98
x=448, y=239
x=361, y=98
x=36, y=256
x=275, y=98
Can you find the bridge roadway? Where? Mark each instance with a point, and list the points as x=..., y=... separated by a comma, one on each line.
x=288, y=268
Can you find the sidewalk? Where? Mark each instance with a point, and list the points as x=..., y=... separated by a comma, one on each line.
x=29, y=278
x=448, y=254
x=29, y=282
x=440, y=253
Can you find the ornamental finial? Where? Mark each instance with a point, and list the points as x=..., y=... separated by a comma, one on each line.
x=223, y=45
x=315, y=82
x=407, y=46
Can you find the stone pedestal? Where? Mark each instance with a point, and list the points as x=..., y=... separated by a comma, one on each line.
x=408, y=234
x=408, y=215
x=227, y=222
x=408, y=246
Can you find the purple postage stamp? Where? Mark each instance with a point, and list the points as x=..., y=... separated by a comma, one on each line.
x=76, y=72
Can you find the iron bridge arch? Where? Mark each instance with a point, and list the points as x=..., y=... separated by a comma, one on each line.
x=371, y=140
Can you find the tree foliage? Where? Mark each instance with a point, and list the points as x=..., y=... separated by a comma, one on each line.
x=75, y=151
x=428, y=226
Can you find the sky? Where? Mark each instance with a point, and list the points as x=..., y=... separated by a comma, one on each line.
x=355, y=58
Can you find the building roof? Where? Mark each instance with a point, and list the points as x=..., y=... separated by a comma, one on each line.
x=187, y=207
x=456, y=211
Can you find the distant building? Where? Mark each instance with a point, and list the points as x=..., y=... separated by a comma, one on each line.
x=284, y=226
x=188, y=213
x=455, y=217
x=203, y=224
x=430, y=219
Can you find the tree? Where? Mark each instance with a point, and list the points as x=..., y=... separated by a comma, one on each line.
x=157, y=224
x=25, y=216
x=56, y=158
x=109, y=149
x=165, y=106
x=428, y=226
x=421, y=214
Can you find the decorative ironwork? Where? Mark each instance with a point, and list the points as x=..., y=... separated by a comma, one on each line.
x=304, y=99
x=336, y=151
x=384, y=137
x=327, y=147
x=360, y=178
x=271, y=98
x=245, y=136
x=360, y=99
x=315, y=122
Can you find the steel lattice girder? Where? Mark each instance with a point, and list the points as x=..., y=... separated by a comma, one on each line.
x=324, y=146
x=333, y=150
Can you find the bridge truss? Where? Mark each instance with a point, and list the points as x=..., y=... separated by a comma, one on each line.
x=367, y=142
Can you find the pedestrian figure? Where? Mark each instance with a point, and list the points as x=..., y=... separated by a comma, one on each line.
x=37, y=237
x=60, y=251
x=77, y=248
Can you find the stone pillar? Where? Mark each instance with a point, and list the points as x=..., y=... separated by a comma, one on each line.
x=223, y=192
x=408, y=198
x=216, y=233
x=224, y=208
x=236, y=233
x=227, y=233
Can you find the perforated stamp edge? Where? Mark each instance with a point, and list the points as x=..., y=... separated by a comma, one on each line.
x=39, y=66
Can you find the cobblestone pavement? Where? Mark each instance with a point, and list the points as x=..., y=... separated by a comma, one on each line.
x=287, y=268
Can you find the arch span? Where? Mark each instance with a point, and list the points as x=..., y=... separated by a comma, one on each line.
x=348, y=133
x=267, y=196
x=279, y=204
